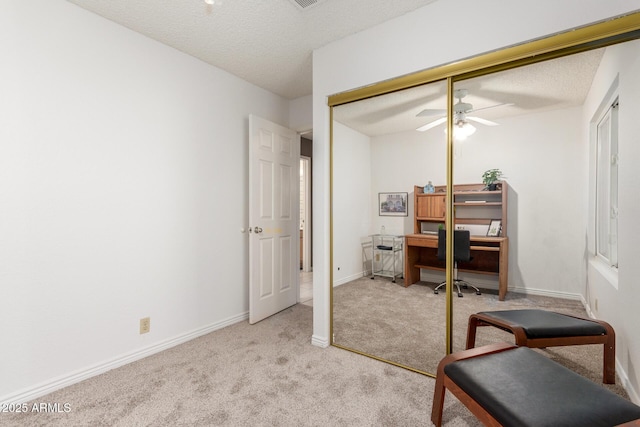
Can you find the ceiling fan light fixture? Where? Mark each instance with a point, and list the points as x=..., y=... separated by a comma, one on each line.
x=462, y=130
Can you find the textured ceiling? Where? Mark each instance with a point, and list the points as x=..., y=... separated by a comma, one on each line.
x=554, y=84
x=268, y=43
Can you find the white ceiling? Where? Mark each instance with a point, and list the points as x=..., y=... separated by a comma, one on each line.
x=268, y=43
x=554, y=84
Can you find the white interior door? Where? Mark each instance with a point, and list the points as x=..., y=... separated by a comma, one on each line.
x=274, y=236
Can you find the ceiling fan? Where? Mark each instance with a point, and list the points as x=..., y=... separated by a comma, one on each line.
x=460, y=110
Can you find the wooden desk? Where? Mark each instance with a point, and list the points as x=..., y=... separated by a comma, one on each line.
x=490, y=256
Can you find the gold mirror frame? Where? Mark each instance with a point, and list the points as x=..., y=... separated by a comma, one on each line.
x=586, y=38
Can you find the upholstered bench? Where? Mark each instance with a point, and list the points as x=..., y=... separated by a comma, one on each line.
x=507, y=385
x=541, y=328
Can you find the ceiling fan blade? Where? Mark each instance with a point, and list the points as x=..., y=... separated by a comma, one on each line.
x=432, y=124
x=504, y=104
x=482, y=121
x=431, y=112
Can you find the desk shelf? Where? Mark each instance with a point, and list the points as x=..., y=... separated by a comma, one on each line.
x=473, y=206
x=490, y=257
x=475, y=271
x=478, y=204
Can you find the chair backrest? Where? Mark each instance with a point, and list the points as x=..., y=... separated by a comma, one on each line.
x=461, y=245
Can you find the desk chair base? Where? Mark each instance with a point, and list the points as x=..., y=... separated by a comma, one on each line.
x=457, y=283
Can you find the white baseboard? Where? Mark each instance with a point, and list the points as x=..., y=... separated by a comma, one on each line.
x=42, y=389
x=548, y=293
x=626, y=384
x=492, y=284
x=622, y=374
x=322, y=342
x=349, y=279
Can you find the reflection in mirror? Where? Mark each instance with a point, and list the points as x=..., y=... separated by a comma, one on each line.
x=380, y=162
x=540, y=136
x=533, y=239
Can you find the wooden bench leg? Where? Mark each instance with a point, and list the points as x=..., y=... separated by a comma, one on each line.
x=471, y=331
x=474, y=323
x=438, y=401
x=609, y=356
x=442, y=382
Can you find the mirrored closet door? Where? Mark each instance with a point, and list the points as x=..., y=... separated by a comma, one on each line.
x=530, y=125
x=381, y=166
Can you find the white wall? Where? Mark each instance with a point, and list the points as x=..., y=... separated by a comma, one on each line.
x=544, y=161
x=617, y=294
x=416, y=41
x=352, y=197
x=123, y=178
x=399, y=162
x=301, y=114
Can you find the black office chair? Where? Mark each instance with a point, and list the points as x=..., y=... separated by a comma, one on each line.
x=461, y=252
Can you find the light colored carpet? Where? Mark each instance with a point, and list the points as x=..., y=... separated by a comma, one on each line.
x=406, y=325
x=267, y=374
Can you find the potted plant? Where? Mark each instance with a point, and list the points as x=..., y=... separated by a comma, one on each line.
x=490, y=177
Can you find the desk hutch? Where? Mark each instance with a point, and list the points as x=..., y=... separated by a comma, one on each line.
x=475, y=208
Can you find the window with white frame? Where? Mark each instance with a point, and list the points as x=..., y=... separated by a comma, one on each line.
x=607, y=185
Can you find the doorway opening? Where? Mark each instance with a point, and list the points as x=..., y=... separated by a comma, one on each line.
x=306, y=268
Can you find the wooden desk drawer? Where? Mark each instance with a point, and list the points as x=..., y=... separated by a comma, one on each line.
x=422, y=242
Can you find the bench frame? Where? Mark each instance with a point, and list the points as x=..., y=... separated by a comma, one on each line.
x=443, y=383
x=608, y=340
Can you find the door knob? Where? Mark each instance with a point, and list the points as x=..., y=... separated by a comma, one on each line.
x=257, y=230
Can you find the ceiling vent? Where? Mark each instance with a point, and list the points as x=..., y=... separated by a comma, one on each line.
x=306, y=4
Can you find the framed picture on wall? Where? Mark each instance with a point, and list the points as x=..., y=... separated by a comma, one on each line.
x=393, y=204
x=494, y=228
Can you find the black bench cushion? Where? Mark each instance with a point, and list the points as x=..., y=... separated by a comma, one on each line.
x=547, y=324
x=523, y=388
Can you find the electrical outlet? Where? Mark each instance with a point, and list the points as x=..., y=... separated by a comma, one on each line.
x=145, y=325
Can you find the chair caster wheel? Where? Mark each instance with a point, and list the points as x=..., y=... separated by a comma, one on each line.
x=435, y=292
x=478, y=293
x=372, y=278
x=459, y=295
